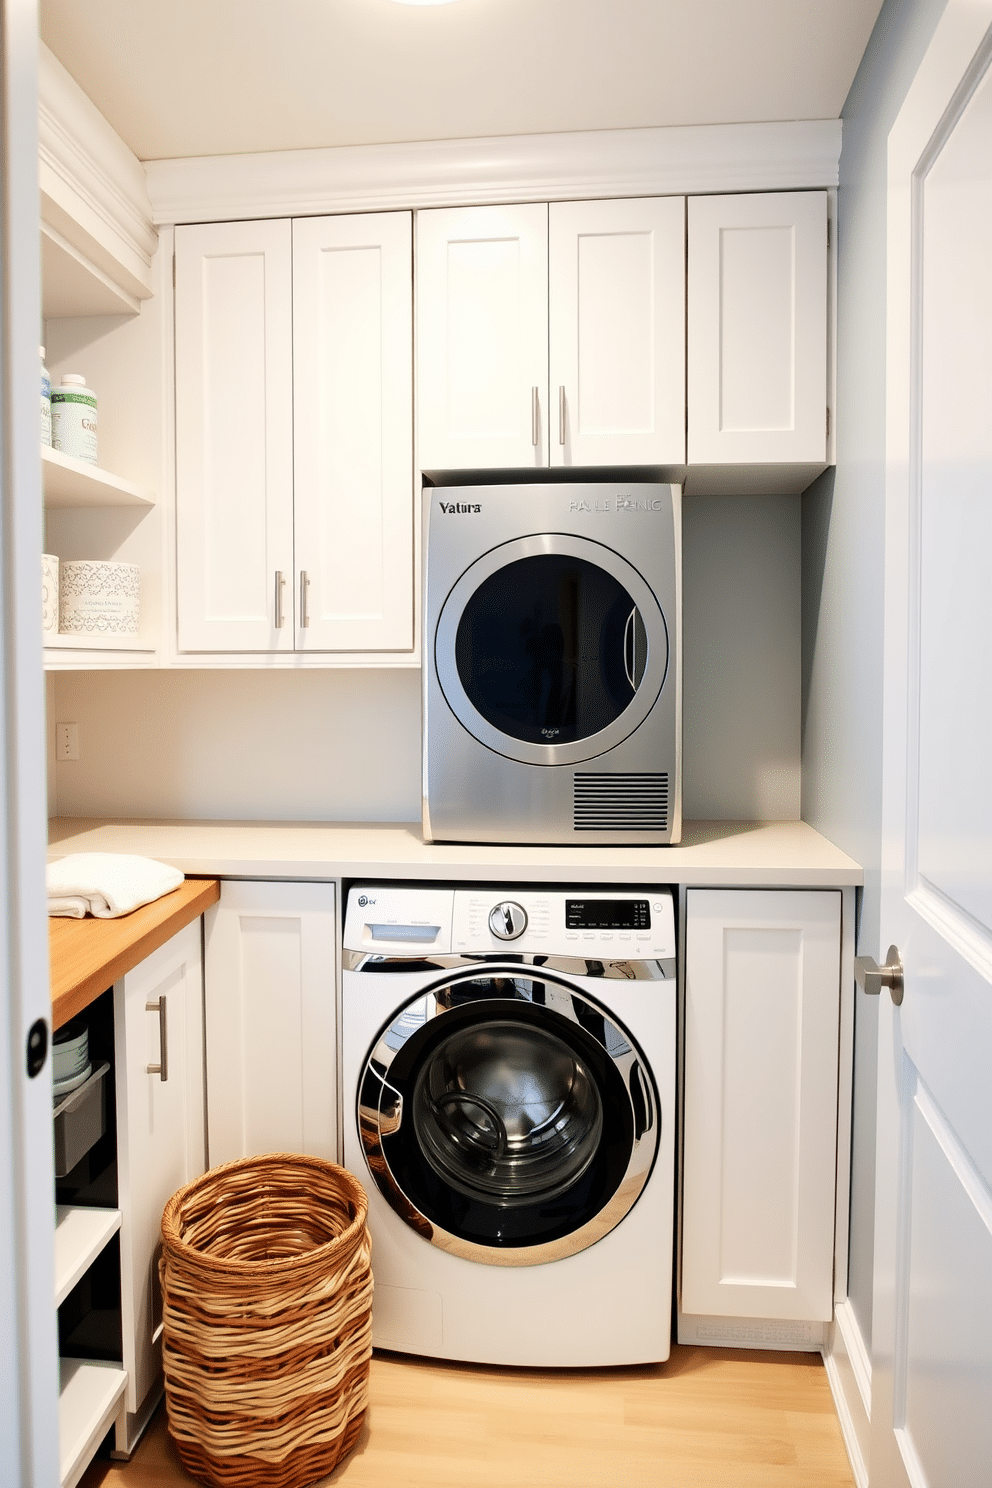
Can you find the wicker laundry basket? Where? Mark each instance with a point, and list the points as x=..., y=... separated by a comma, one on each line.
x=267, y=1320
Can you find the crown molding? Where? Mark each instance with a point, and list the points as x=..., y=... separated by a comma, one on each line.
x=688, y=160
x=93, y=190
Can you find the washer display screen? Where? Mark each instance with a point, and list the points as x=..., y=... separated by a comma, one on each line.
x=607, y=914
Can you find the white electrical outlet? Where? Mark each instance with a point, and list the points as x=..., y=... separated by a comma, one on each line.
x=66, y=741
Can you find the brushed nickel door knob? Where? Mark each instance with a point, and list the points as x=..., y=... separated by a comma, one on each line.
x=872, y=977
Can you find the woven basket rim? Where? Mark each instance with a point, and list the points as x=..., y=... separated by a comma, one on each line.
x=173, y=1241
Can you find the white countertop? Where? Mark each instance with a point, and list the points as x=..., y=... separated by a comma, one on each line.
x=786, y=854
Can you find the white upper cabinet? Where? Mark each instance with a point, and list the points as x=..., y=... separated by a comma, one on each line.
x=353, y=431
x=294, y=478
x=482, y=337
x=234, y=436
x=617, y=331
x=551, y=335
x=757, y=327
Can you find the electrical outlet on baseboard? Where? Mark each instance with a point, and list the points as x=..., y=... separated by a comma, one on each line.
x=66, y=742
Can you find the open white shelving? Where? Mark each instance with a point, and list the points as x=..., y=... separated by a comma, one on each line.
x=90, y=1399
x=80, y=1235
x=70, y=482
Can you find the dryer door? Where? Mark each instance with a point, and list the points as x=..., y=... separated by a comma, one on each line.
x=507, y=1118
x=551, y=649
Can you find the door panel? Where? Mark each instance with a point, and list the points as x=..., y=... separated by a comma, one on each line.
x=160, y=1145
x=757, y=327
x=352, y=355
x=270, y=1022
x=617, y=327
x=932, y=1313
x=234, y=435
x=482, y=337
x=761, y=1048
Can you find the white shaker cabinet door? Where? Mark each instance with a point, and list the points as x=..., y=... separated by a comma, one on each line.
x=757, y=328
x=353, y=431
x=158, y=1022
x=482, y=337
x=762, y=990
x=270, y=1018
x=617, y=331
x=234, y=436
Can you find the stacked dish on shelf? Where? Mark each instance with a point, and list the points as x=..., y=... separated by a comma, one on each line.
x=71, y=1065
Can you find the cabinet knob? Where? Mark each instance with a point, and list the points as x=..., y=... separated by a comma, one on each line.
x=872, y=977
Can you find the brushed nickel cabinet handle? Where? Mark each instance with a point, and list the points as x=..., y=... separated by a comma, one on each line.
x=304, y=607
x=280, y=585
x=161, y=1069
x=535, y=418
x=561, y=414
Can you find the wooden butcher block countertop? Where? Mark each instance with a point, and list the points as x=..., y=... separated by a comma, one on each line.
x=87, y=956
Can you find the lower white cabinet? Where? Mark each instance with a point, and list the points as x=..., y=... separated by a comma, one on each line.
x=270, y=1018
x=762, y=1005
x=158, y=1040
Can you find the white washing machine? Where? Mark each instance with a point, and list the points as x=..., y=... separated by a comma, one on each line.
x=509, y=1088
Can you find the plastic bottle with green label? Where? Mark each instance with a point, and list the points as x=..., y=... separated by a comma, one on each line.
x=46, y=401
x=74, y=418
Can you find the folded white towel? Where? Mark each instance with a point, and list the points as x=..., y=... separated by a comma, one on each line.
x=106, y=884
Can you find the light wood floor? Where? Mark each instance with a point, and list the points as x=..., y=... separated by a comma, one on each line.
x=709, y=1418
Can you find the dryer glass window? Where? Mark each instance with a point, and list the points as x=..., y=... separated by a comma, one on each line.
x=551, y=649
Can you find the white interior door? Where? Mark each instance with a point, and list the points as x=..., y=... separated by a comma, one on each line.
x=932, y=1327
x=617, y=331
x=353, y=431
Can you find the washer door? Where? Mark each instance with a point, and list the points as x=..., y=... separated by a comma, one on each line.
x=551, y=649
x=507, y=1118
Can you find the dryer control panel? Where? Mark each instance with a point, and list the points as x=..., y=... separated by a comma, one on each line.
x=619, y=925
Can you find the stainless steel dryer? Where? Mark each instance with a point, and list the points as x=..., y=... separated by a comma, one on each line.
x=553, y=665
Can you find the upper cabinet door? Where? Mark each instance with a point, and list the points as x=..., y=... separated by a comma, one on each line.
x=482, y=337
x=353, y=395
x=757, y=354
x=234, y=436
x=617, y=313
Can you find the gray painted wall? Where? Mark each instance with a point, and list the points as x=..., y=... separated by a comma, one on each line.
x=843, y=534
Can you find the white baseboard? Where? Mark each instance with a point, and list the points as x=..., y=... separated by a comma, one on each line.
x=848, y=1368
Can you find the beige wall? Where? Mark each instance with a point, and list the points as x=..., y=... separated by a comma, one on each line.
x=345, y=745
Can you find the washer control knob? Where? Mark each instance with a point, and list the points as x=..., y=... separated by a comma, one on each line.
x=507, y=920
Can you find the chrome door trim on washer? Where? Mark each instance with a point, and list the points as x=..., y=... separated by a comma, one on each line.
x=380, y=1113
x=592, y=745
x=379, y=964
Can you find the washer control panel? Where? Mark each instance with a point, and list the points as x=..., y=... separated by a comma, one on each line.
x=615, y=925
x=636, y=925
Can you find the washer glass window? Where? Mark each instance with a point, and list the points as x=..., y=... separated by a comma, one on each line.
x=508, y=1113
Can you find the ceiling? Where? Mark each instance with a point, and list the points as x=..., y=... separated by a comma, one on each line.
x=217, y=77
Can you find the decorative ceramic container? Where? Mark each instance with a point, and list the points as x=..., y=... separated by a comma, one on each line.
x=99, y=598
x=49, y=594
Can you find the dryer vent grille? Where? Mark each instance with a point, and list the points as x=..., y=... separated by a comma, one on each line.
x=615, y=803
